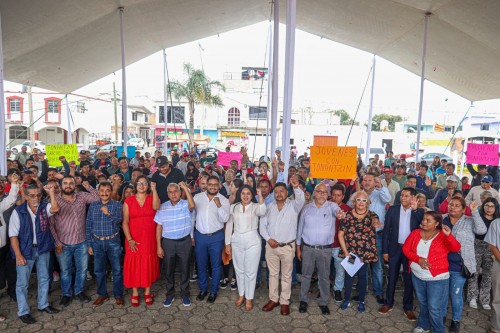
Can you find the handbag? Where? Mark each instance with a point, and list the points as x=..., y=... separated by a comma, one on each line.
x=465, y=271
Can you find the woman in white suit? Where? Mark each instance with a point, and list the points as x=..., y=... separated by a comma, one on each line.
x=243, y=242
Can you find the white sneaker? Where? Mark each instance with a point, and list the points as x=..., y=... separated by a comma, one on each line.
x=473, y=304
x=419, y=329
x=55, y=277
x=486, y=306
x=89, y=276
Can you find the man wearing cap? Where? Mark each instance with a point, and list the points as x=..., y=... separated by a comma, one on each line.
x=477, y=176
x=450, y=171
x=31, y=243
x=391, y=185
x=475, y=192
x=442, y=194
x=165, y=175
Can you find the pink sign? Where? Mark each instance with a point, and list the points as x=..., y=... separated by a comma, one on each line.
x=225, y=158
x=482, y=154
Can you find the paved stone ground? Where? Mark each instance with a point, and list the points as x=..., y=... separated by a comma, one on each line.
x=219, y=317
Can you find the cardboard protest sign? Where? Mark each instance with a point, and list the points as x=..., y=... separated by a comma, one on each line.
x=225, y=158
x=130, y=151
x=326, y=140
x=53, y=152
x=482, y=153
x=333, y=162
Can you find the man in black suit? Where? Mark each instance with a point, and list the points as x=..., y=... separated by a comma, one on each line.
x=400, y=221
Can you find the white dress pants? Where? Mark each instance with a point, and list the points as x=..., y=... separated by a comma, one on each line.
x=246, y=249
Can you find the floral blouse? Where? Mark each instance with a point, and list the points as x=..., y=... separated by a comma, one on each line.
x=360, y=236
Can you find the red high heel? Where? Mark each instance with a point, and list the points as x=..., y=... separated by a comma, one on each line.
x=135, y=298
x=150, y=297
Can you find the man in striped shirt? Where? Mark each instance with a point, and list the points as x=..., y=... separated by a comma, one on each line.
x=68, y=229
x=174, y=235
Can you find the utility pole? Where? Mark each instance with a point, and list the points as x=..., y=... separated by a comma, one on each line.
x=31, y=128
x=116, y=112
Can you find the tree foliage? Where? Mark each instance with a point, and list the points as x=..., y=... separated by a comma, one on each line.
x=345, y=117
x=197, y=88
x=392, y=119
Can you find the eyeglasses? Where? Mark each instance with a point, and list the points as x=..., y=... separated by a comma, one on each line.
x=361, y=200
x=213, y=184
x=141, y=183
x=489, y=206
x=321, y=192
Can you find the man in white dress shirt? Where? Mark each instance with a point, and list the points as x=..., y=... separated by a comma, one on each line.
x=279, y=228
x=212, y=211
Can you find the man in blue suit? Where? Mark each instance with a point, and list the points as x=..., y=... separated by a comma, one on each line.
x=400, y=221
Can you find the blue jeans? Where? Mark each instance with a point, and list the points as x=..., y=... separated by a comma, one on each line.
x=362, y=274
x=378, y=270
x=79, y=254
x=456, y=291
x=262, y=259
x=432, y=296
x=339, y=270
x=111, y=250
x=23, y=280
x=205, y=247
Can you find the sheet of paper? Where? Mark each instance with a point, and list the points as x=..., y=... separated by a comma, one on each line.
x=351, y=269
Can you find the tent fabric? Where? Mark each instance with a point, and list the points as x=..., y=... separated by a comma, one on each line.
x=64, y=45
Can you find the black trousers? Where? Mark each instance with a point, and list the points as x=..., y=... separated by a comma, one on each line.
x=8, y=274
x=395, y=262
x=177, y=251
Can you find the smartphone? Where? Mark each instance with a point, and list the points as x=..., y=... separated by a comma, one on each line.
x=351, y=259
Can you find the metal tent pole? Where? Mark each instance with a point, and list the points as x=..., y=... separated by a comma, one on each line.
x=422, y=80
x=269, y=91
x=70, y=137
x=370, y=116
x=289, y=63
x=165, y=146
x=124, y=85
x=3, y=134
x=274, y=76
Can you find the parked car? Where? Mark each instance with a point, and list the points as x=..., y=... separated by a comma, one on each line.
x=373, y=151
x=137, y=142
x=429, y=157
x=38, y=144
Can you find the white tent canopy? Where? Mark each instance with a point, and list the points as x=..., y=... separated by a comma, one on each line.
x=64, y=45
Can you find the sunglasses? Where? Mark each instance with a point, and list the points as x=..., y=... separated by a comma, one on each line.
x=361, y=200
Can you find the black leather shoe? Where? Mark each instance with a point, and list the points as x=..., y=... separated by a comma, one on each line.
x=454, y=326
x=83, y=298
x=27, y=319
x=324, y=310
x=211, y=298
x=65, y=301
x=49, y=310
x=303, y=307
x=201, y=296
x=380, y=299
x=13, y=298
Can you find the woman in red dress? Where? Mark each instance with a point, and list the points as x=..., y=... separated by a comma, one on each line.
x=141, y=267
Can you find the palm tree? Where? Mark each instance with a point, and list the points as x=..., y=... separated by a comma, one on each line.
x=196, y=89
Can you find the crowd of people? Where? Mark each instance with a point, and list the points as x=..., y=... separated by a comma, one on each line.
x=133, y=216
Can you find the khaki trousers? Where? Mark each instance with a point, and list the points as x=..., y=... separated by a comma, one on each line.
x=280, y=257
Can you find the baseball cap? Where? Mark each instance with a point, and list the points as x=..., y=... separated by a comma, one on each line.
x=487, y=179
x=83, y=152
x=161, y=161
x=184, y=154
x=452, y=178
x=388, y=170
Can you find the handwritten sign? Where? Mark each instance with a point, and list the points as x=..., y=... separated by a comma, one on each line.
x=130, y=151
x=326, y=140
x=333, y=162
x=482, y=154
x=225, y=158
x=53, y=152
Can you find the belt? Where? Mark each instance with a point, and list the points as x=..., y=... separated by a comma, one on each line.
x=34, y=245
x=178, y=239
x=285, y=244
x=212, y=233
x=379, y=232
x=318, y=247
x=106, y=237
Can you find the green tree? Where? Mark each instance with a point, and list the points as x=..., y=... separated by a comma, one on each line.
x=392, y=119
x=196, y=89
x=345, y=117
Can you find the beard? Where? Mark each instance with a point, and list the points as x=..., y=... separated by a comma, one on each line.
x=68, y=192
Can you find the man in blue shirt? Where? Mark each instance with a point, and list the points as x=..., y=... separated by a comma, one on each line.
x=103, y=226
x=174, y=235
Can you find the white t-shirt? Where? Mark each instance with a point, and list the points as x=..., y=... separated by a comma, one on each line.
x=15, y=223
